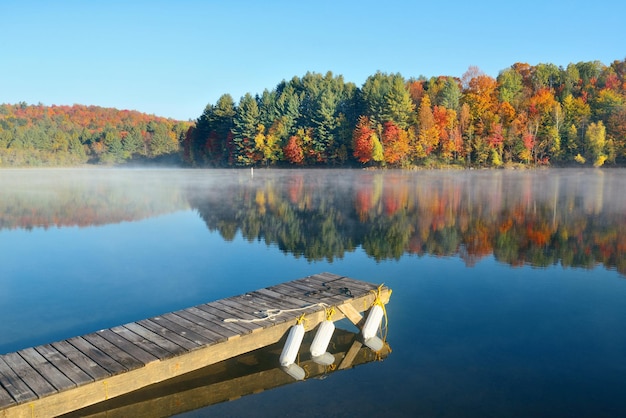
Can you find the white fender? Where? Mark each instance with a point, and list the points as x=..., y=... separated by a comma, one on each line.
x=372, y=323
x=322, y=338
x=292, y=345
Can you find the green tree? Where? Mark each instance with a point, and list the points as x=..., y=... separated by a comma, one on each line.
x=450, y=94
x=510, y=87
x=386, y=98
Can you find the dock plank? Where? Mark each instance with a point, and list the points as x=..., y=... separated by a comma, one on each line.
x=290, y=309
x=47, y=370
x=177, y=325
x=30, y=376
x=277, y=301
x=167, y=333
x=270, y=293
x=301, y=293
x=127, y=360
x=262, y=303
x=81, y=360
x=342, y=282
x=225, y=312
x=64, y=364
x=5, y=398
x=133, y=349
x=145, y=344
x=14, y=385
x=240, y=311
x=97, y=355
x=223, y=332
x=211, y=336
x=232, y=327
x=156, y=338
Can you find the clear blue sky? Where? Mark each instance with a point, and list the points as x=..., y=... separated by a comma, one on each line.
x=171, y=58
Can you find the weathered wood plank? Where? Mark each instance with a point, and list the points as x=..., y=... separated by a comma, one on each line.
x=209, y=335
x=49, y=372
x=77, y=357
x=290, y=309
x=233, y=327
x=111, y=350
x=223, y=332
x=157, y=338
x=13, y=384
x=5, y=398
x=341, y=282
x=159, y=328
x=222, y=313
x=64, y=364
x=303, y=292
x=97, y=355
x=279, y=296
x=262, y=303
x=226, y=312
x=30, y=376
x=240, y=311
x=316, y=291
x=155, y=350
x=275, y=300
x=124, y=346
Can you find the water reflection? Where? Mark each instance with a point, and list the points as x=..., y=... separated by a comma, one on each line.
x=44, y=198
x=569, y=217
x=231, y=379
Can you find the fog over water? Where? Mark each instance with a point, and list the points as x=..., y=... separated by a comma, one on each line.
x=508, y=286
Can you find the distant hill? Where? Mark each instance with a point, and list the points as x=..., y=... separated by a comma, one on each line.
x=38, y=135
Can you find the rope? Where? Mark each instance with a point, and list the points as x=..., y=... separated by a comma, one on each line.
x=329, y=313
x=271, y=314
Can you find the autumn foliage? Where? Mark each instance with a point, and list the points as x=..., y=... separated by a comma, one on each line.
x=528, y=115
x=71, y=135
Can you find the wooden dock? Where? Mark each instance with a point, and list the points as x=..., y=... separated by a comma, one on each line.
x=64, y=376
x=228, y=380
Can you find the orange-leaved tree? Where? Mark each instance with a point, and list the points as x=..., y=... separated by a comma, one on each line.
x=395, y=143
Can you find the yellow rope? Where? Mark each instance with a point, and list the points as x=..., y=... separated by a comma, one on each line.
x=300, y=319
x=329, y=313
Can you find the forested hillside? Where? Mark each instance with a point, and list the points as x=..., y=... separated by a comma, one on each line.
x=37, y=135
x=530, y=115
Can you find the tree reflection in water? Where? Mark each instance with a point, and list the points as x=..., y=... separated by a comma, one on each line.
x=570, y=217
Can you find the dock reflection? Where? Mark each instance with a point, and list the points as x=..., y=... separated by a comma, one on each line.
x=232, y=379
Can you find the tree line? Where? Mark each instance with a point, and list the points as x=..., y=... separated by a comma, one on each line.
x=530, y=115
x=38, y=135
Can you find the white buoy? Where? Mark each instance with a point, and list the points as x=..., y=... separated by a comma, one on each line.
x=292, y=345
x=372, y=323
x=320, y=344
x=322, y=338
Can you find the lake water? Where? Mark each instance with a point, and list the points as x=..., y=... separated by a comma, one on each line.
x=509, y=287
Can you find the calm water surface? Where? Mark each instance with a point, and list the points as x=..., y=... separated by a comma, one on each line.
x=509, y=288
